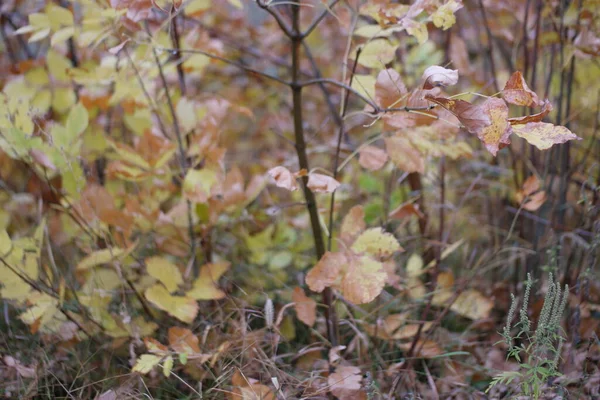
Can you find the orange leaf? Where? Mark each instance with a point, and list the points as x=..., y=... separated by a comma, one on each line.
x=517, y=92
x=183, y=340
x=327, y=271
x=546, y=108
x=306, y=308
x=353, y=224
x=471, y=116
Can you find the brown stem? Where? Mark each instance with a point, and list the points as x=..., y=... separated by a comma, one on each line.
x=490, y=49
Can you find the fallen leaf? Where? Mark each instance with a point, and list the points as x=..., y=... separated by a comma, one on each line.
x=165, y=272
x=345, y=382
x=436, y=76
x=183, y=340
x=146, y=363
x=283, y=178
x=372, y=158
x=424, y=348
x=320, y=183
x=306, y=308
x=517, y=92
x=205, y=286
x=183, y=308
x=544, y=135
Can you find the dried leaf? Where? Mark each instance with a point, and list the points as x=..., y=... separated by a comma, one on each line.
x=472, y=304
x=364, y=280
x=389, y=88
x=345, y=382
x=353, y=224
x=471, y=116
x=436, y=76
x=546, y=108
x=406, y=210
x=424, y=348
x=372, y=158
x=320, y=183
x=182, y=308
x=306, y=308
x=535, y=201
x=496, y=135
x=517, y=92
x=283, y=178
x=404, y=154
x=146, y=362
x=544, y=135
x=205, y=286
x=183, y=340
x=327, y=271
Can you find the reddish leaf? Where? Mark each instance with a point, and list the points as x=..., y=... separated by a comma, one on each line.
x=546, y=108
x=183, y=340
x=496, y=135
x=389, y=88
x=327, y=271
x=306, y=308
x=517, y=92
x=406, y=210
x=372, y=158
x=471, y=116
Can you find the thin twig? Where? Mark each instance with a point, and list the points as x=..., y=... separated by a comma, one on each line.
x=320, y=18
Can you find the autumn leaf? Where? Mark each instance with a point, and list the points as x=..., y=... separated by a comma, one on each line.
x=182, y=308
x=471, y=116
x=376, y=243
x=146, y=363
x=326, y=272
x=165, y=272
x=517, y=92
x=406, y=210
x=320, y=183
x=530, y=195
x=436, y=76
x=424, y=348
x=497, y=134
x=283, y=178
x=205, y=286
x=364, y=280
x=306, y=308
x=389, y=88
x=183, y=340
x=353, y=224
x=546, y=109
x=198, y=184
x=404, y=154
x=544, y=135
x=377, y=53
x=345, y=382
x=372, y=158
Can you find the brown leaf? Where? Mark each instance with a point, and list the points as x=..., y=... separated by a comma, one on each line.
x=404, y=154
x=424, y=348
x=320, y=183
x=389, y=88
x=306, y=308
x=345, y=382
x=436, y=76
x=535, y=201
x=327, y=271
x=517, y=92
x=352, y=224
x=406, y=210
x=283, y=178
x=531, y=185
x=372, y=158
x=546, y=108
x=183, y=340
x=496, y=135
x=544, y=135
x=471, y=116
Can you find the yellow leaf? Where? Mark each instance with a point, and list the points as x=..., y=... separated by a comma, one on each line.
x=98, y=257
x=497, y=134
x=377, y=243
x=5, y=243
x=195, y=6
x=236, y=4
x=444, y=17
x=205, y=287
x=62, y=35
x=145, y=363
x=58, y=65
x=364, y=280
x=165, y=272
x=167, y=366
x=472, y=304
x=77, y=120
x=327, y=272
x=102, y=280
x=544, y=135
x=418, y=30
x=377, y=53
x=197, y=184
x=182, y=308
x=365, y=85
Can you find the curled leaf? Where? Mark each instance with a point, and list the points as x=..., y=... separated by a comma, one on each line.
x=320, y=183
x=544, y=135
x=283, y=178
x=497, y=134
x=517, y=92
x=546, y=108
x=471, y=116
x=436, y=76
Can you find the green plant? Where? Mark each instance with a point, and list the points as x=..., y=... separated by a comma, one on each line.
x=536, y=352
